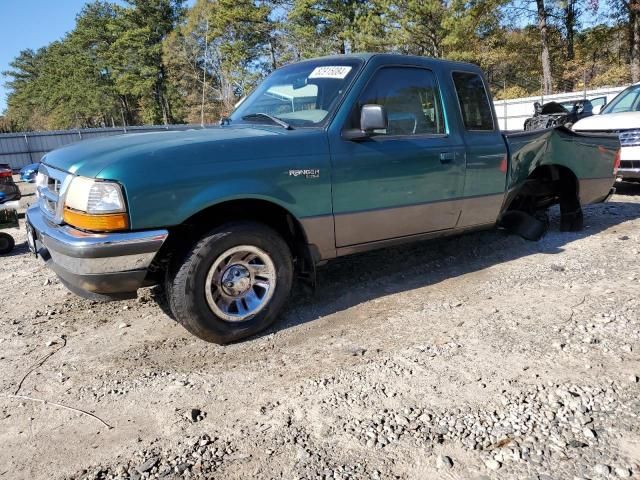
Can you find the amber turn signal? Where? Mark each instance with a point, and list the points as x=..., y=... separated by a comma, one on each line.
x=109, y=222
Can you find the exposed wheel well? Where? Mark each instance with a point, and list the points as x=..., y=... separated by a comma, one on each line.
x=265, y=212
x=547, y=185
x=550, y=185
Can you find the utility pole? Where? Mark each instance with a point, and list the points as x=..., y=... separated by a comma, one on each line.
x=204, y=72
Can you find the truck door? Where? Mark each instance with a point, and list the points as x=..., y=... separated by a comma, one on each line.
x=486, y=168
x=404, y=180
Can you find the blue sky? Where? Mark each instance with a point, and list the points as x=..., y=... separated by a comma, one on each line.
x=32, y=24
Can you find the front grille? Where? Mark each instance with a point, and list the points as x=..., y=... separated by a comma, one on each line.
x=630, y=164
x=630, y=138
x=51, y=189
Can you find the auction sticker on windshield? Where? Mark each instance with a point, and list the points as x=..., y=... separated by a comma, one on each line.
x=330, y=72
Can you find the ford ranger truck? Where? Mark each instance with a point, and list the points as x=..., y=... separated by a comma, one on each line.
x=327, y=157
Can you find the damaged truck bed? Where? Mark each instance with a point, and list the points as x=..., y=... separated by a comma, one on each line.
x=556, y=166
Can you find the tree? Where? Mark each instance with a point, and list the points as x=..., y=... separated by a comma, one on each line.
x=321, y=27
x=24, y=83
x=136, y=56
x=98, y=27
x=547, y=78
x=420, y=28
x=225, y=41
x=627, y=14
x=633, y=10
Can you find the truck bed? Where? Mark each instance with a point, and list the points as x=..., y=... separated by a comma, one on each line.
x=590, y=157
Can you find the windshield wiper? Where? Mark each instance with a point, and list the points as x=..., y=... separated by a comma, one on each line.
x=280, y=122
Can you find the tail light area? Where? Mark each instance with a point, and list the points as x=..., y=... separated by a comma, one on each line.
x=504, y=165
x=6, y=176
x=616, y=161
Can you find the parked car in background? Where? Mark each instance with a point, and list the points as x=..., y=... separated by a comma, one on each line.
x=8, y=187
x=558, y=114
x=8, y=219
x=621, y=116
x=590, y=106
x=9, y=196
x=326, y=158
x=28, y=173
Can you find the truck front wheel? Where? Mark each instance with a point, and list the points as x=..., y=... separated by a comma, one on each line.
x=232, y=283
x=6, y=243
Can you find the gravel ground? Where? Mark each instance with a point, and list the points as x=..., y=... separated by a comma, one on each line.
x=483, y=356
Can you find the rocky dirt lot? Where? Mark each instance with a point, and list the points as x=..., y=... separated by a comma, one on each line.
x=484, y=356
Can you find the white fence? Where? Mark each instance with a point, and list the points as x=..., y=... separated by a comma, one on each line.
x=512, y=113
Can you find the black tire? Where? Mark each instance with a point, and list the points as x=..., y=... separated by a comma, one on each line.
x=528, y=226
x=186, y=279
x=7, y=243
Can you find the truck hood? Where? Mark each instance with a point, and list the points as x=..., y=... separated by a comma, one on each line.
x=185, y=148
x=609, y=121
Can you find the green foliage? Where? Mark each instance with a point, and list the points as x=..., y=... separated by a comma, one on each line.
x=217, y=55
x=154, y=61
x=107, y=71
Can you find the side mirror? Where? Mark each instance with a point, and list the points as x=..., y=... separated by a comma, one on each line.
x=373, y=117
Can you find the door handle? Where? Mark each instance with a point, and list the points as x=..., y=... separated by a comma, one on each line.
x=447, y=157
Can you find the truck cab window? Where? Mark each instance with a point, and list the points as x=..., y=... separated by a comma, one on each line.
x=410, y=97
x=474, y=101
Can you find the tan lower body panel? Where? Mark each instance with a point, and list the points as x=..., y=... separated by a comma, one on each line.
x=593, y=190
x=360, y=231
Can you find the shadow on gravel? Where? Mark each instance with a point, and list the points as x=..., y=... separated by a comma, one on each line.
x=349, y=281
x=20, y=249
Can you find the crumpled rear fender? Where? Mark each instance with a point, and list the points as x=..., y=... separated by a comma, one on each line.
x=590, y=157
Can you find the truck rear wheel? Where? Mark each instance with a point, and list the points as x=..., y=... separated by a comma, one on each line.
x=232, y=283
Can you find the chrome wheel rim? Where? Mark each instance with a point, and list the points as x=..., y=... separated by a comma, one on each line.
x=240, y=283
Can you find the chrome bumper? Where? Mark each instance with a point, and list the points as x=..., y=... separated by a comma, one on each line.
x=628, y=173
x=104, y=263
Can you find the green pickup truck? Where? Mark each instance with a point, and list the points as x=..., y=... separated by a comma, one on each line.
x=327, y=157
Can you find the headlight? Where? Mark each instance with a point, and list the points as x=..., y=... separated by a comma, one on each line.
x=95, y=205
x=91, y=196
x=41, y=181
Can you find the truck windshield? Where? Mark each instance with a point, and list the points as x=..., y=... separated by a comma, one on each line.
x=627, y=101
x=301, y=95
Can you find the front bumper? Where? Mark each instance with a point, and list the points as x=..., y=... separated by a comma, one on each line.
x=103, y=263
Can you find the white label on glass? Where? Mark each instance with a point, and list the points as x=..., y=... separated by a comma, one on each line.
x=330, y=72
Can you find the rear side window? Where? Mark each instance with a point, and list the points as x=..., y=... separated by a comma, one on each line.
x=474, y=102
